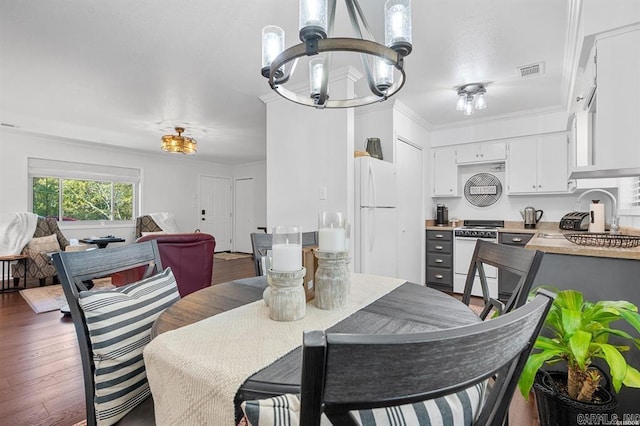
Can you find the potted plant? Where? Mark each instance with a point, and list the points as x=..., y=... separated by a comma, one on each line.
x=580, y=332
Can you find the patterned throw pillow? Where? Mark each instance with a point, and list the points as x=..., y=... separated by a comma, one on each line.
x=119, y=323
x=43, y=244
x=456, y=409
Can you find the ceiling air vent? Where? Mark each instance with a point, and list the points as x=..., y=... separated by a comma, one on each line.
x=531, y=70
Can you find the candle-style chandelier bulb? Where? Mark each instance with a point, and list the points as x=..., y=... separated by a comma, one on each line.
x=383, y=74
x=316, y=70
x=313, y=19
x=397, y=20
x=272, y=46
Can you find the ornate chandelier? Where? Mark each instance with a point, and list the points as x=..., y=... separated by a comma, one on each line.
x=179, y=144
x=316, y=19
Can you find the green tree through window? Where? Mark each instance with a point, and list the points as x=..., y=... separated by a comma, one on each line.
x=82, y=199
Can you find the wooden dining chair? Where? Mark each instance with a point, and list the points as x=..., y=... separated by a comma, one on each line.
x=260, y=244
x=465, y=375
x=519, y=261
x=113, y=327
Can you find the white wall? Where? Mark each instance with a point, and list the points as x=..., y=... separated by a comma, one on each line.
x=168, y=183
x=258, y=172
x=308, y=149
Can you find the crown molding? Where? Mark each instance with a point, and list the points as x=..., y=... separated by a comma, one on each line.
x=411, y=114
x=500, y=117
x=572, y=57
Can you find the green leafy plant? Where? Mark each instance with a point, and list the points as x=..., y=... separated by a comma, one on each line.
x=580, y=334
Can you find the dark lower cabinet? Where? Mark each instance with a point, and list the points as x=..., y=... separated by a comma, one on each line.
x=439, y=262
x=507, y=280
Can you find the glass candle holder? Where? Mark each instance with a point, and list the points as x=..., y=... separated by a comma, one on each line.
x=332, y=232
x=286, y=249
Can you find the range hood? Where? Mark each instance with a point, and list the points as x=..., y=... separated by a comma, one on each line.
x=610, y=173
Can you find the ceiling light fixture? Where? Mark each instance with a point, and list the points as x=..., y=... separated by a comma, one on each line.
x=179, y=144
x=316, y=19
x=470, y=94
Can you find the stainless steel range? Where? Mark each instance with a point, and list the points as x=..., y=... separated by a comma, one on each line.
x=464, y=245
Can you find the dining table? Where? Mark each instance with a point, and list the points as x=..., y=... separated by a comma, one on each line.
x=217, y=347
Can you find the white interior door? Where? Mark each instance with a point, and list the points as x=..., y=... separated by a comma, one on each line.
x=244, y=223
x=410, y=229
x=215, y=210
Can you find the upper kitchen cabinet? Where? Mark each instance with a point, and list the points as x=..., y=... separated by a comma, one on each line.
x=445, y=172
x=617, y=129
x=483, y=152
x=537, y=165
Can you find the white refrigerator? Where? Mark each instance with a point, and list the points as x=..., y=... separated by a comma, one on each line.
x=375, y=221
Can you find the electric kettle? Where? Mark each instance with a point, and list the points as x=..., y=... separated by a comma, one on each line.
x=531, y=216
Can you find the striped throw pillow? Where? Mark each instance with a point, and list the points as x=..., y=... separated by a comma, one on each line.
x=452, y=410
x=119, y=323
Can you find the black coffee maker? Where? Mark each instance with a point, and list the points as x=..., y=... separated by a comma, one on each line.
x=442, y=215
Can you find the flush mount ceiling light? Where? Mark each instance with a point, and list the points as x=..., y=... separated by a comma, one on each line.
x=316, y=19
x=179, y=144
x=471, y=96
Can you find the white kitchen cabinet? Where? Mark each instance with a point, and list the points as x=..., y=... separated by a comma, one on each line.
x=445, y=172
x=537, y=165
x=481, y=152
x=617, y=129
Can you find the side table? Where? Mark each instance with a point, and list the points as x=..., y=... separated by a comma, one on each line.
x=6, y=268
x=102, y=242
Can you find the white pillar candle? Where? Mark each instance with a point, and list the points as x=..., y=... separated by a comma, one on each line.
x=332, y=239
x=286, y=257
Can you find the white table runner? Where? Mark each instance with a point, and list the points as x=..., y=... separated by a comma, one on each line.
x=195, y=371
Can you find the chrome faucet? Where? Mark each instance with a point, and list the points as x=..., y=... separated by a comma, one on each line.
x=613, y=228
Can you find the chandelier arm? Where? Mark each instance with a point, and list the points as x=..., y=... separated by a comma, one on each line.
x=285, y=76
x=353, y=18
x=355, y=12
x=322, y=100
x=332, y=17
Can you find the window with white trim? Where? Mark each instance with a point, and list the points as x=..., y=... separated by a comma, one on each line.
x=80, y=192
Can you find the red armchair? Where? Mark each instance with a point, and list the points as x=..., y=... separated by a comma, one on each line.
x=190, y=257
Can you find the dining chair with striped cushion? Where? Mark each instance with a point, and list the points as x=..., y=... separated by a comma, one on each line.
x=114, y=326
x=460, y=376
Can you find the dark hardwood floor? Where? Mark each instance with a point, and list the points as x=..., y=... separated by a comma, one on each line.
x=40, y=372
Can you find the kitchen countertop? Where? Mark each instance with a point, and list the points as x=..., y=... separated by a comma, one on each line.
x=515, y=226
x=554, y=242
x=549, y=238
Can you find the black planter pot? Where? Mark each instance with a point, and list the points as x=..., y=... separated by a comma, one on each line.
x=557, y=409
